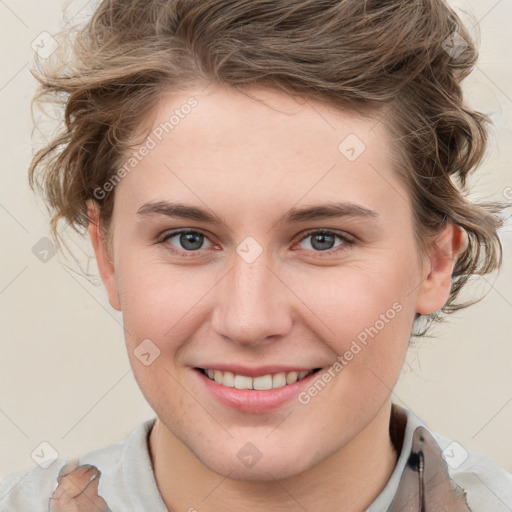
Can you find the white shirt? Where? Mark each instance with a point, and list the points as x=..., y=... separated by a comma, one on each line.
x=128, y=483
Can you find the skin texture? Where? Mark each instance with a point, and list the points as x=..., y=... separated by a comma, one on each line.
x=249, y=162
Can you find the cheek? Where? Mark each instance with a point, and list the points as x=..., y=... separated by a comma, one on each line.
x=160, y=300
x=156, y=299
x=357, y=296
x=368, y=312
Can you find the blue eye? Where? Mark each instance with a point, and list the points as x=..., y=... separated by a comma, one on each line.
x=189, y=240
x=323, y=240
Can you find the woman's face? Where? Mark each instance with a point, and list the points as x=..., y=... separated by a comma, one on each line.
x=300, y=255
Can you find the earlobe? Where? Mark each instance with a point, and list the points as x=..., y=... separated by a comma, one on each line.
x=437, y=271
x=105, y=264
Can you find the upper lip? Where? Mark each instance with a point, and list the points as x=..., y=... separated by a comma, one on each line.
x=256, y=371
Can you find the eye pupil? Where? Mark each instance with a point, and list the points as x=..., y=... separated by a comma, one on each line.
x=191, y=241
x=323, y=239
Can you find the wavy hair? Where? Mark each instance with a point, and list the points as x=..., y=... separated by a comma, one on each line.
x=402, y=58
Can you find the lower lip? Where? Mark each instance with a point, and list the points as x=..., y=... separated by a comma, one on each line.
x=254, y=401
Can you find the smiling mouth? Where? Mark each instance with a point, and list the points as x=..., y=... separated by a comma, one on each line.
x=261, y=383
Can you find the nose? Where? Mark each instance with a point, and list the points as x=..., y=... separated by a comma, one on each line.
x=252, y=304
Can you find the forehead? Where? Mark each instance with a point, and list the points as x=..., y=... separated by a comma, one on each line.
x=220, y=140
x=223, y=115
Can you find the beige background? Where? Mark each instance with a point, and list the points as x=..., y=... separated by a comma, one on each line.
x=64, y=374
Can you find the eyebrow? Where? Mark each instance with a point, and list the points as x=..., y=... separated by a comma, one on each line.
x=294, y=215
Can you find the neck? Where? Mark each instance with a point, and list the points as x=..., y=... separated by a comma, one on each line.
x=353, y=476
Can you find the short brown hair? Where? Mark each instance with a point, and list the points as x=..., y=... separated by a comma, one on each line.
x=364, y=56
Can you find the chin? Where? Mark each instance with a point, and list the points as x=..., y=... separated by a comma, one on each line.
x=252, y=465
x=261, y=472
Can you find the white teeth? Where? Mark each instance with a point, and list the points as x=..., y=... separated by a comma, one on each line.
x=243, y=382
x=264, y=382
x=228, y=380
x=291, y=377
x=279, y=380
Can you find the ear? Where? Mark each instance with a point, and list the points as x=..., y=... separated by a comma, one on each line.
x=105, y=264
x=438, y=266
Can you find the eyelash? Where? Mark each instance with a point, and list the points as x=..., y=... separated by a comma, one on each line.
x=347, y=240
